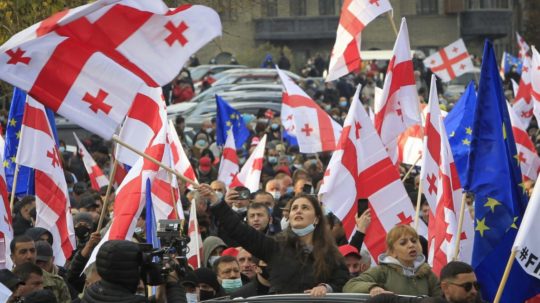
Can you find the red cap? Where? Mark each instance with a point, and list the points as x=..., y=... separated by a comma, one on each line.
x=205, y=164
x=347, y=249
x=231, y=251
x=283, y=169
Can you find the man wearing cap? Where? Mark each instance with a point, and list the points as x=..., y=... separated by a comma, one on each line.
x=51, y=279
x=356, y=263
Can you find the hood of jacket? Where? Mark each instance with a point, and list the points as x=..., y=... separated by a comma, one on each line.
x=209, y=244
x=419, y=268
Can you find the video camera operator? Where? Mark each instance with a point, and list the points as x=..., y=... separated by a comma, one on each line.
x=121, y=265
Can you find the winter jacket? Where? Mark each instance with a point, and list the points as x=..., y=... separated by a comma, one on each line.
x=105, y=292
x=251, y=289
x=291, y=269
x=391, y=275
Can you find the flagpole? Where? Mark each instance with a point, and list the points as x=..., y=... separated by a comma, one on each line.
x=418, y=200
x=391, y=18
x=411, y=168
x=107, y=194
x=175, y=207
x=14, y=185
x=116, y=139
x=505, y=275
x=460, y=225
x=197, y=236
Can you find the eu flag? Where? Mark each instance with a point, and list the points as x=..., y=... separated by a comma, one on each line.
x=495, y=179
x=458, y=125
x=13, y=134
x=510, y=61
x=228, y=117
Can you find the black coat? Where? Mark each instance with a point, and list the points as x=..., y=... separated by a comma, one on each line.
x=251, y=289
x=291, y=271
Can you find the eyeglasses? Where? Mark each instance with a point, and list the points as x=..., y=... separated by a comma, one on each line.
x=468, y=285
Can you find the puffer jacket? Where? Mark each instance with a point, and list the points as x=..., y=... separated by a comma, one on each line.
x=291, y=269
x=391, y=275
x=105, y=292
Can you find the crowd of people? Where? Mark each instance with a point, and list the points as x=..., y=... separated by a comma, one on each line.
x=277, y=240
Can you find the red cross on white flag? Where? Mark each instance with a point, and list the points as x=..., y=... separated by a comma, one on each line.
x=250, y=174
x=37, y=149
x=355, y=15
x=450, y=62
x=535, y=82
x=527, y=156
x=397, y=108
x=107, y=54
x=97, y=178
x=442, y=190
x=6, y=229
x=523, y=47
x=228, y=167
x=361, y=168
x=314, y=129
x=523, y=105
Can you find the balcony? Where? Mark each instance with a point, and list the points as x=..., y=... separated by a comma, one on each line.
x=297, y=28
x=489, y=23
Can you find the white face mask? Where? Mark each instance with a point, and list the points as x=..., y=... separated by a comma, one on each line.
x=192, y=297
x=276, y=195
x=239, y=209
x=284, y=223
x=212, y=259
x=219, y=195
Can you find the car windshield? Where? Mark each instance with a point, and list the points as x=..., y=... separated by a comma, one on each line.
x=198, y=72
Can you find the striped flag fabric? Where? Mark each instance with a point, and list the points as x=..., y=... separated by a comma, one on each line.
x=228, y=167
x=6, y=228
x=97, y=178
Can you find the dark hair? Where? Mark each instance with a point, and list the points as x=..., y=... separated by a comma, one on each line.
x=325, y=252
x=257, y=205
x=223, y=259
x=26, y=200
x=454, y=268
x=19, y=239
x=24, y=270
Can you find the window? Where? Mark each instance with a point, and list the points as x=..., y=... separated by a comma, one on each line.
x=269, y=8
x=472, y=4
x=427, y=7
x=297, y=7
x=327, y=7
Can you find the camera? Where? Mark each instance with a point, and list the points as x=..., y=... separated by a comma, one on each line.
x=157, y=264
x=244, y=194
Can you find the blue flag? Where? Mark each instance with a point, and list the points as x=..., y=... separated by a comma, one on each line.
x=290, y=139
x=13, y=133
x=458, y=124
x=510, y=61
x=228, y=117
x=151, y=227
x=495, y=179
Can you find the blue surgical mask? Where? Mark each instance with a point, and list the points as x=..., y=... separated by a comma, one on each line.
x=272, y=159
x=219, y=195
x=231, y=285
x=201, y=143
x=61, y=149
x=303, y=231
x=328, y=107
x=343, y=103
x=284, y=223
x=290, y=189
x=275, y=126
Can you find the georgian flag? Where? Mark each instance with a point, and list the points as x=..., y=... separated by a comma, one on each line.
x=6, y=228
x=355, y=15
x=397, y=109
x=442, y=189
x=250, y=174
x=535, y=83
x=527, y=156
x=38, y=150
x=107, y=55
x=179, y=157
x=361, y=168
x=195, y=246
x=97, y=178
x=523, y=46
x=302, y=118
x=523, y=105
x=450, y=62
x=228, y=167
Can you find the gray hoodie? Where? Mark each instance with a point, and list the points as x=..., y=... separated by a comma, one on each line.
x=209, y=245
x=407, y=271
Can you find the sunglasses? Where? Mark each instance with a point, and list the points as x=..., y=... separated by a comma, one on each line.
x=468, y=286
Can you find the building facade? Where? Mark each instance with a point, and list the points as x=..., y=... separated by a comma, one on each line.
x=308, y=27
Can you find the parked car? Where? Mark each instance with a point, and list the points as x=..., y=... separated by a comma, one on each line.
x=295, y=298
x=198, y=72
x=247, y=75
x=207, y=110
x=455, y=88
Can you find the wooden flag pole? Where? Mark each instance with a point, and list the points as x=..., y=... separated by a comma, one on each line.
x=418, y=200
x=175, y=207
x=14, y=186
x=391, y=18
x=505, y=275
x=411, y=168
x=460, y=226
x=116, y=139
x=105, y=207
